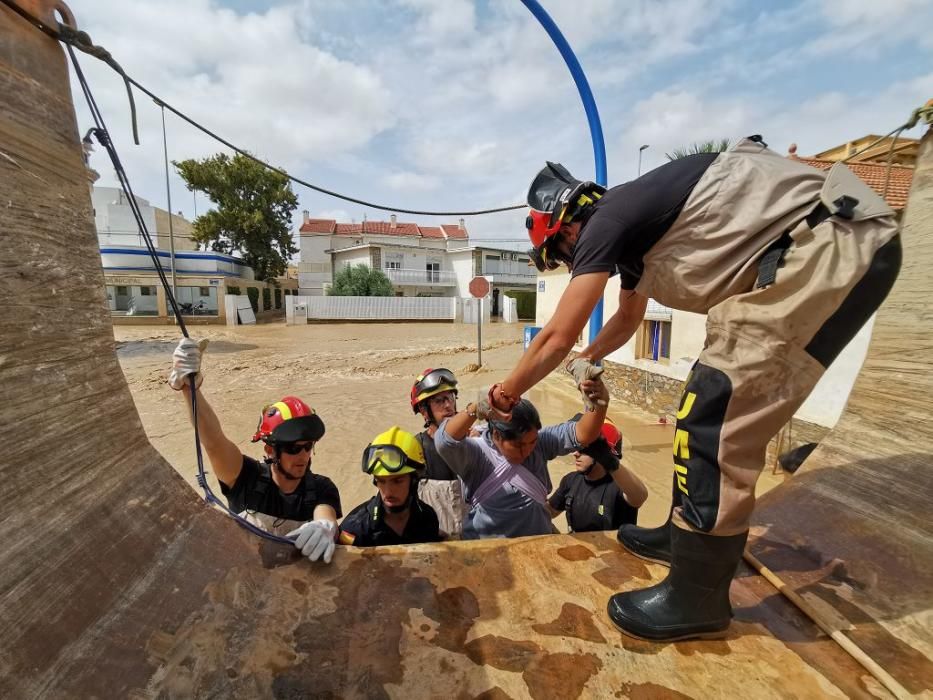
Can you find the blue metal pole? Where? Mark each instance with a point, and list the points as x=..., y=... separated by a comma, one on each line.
x=592, y=116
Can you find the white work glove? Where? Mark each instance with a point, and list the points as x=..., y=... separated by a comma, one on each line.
x=582, y=369
x=316, y=539
x=186, y=360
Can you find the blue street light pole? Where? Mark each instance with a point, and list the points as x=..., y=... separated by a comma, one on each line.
x=592, y=116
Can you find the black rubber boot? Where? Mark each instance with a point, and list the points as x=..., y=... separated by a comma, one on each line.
x=651, y=543
x=693, y=601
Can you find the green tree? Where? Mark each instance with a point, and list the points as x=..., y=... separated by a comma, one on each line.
x=253, y=211
x=711, y=146
x=361, y=281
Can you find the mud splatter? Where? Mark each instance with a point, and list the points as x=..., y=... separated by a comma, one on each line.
x=650, y=691
x=560, y=676
x=494, y=693
x=707, y=646
x=576, y=552
x=573, y=621
x=359, y=654
x=455, y=610
x=620, y=568
x=504, y=654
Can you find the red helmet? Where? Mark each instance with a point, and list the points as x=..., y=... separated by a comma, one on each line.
x=431, y=382
x=288, y=420
x=612, y=435
x=555, y=197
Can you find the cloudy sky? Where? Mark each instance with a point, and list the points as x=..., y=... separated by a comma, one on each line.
x=455, y=104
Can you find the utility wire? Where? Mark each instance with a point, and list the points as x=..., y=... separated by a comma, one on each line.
x=103, y=137
x=81, y=41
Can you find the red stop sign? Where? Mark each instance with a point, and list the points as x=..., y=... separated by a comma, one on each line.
x=479, y=287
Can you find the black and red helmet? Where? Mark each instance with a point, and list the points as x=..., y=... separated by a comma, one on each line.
x=610, y=433
x=288, y=420
x=556, y=197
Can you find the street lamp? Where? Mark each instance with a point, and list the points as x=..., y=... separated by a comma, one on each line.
x=640, y=150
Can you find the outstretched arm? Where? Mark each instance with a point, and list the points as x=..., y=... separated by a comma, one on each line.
x=558, y=336
x=633, y=489
x=618, y=329
x=226, y=458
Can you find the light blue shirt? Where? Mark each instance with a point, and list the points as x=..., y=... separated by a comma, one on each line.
x=508, y=512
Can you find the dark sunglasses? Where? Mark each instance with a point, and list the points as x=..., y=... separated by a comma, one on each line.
x=293, y=448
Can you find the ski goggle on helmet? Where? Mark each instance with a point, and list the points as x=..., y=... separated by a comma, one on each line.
x=430, y=383
x=392, y=453
x=556, y=197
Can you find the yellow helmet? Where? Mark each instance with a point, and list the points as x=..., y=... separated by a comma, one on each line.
x=392, y=453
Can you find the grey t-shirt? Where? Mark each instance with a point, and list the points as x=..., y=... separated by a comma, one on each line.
x=508, y=512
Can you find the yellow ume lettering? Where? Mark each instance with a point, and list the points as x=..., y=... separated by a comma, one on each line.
x=682, y=444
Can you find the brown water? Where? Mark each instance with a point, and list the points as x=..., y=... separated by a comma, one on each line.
x=358, y=378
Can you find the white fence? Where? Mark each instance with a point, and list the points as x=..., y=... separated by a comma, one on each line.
x=373, y=308
x=437, y=278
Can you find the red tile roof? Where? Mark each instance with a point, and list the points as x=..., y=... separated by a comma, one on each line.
x=323, y=226
x=329, y=227
x=873, y=175
x=454, y=231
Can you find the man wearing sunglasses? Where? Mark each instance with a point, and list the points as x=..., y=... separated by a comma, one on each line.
x=280, y=494
x=787, y=262
x=395, y=515
x=434, y=397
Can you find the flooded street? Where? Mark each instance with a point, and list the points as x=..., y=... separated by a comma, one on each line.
x=358, y=378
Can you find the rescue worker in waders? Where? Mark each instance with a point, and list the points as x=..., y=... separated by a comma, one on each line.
x=602, y=493
x=787, y=261
x=395, y=515
x=280, y=494
x=504, y=470
x=434, y=398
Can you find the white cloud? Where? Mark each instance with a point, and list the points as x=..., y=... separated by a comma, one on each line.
x=453, y=104
x=411, y=182
x=341, y=215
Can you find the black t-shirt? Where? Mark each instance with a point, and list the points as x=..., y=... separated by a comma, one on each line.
x=436, y=466
x=255, y=491
x=630, y=218
x=365, y=526
x=592, y=505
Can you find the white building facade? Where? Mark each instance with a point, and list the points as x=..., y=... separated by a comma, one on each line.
x=420, y=261
x=202, y=277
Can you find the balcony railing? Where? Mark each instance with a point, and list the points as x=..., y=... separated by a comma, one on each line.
x=512, y=277
x=436, y=278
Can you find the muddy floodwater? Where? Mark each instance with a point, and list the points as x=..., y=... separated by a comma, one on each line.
x=358, y=378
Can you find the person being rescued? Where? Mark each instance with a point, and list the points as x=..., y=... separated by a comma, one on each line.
x=434, y=397
x=395, y=515
x=504, y=470
x=602, y=494
x=280, y=493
